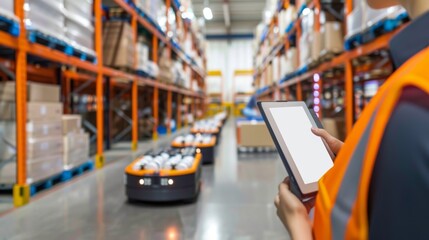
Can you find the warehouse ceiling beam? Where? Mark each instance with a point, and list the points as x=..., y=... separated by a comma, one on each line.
x=226, y=15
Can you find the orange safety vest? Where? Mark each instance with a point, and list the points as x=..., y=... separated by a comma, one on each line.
x=341, y=204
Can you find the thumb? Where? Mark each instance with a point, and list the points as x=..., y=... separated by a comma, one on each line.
x=321, y=133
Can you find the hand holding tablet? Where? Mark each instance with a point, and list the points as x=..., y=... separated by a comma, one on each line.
x=305, y=155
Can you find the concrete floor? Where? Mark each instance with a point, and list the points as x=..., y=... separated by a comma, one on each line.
x=236, y=202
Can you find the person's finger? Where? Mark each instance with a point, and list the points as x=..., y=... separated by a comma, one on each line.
x=333, y=143
x=321, y=133
x=287, y=180
x=277, y=201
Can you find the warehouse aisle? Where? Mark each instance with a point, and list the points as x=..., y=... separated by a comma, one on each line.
x=235, y=203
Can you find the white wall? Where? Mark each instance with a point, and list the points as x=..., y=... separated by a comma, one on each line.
x=228, y=56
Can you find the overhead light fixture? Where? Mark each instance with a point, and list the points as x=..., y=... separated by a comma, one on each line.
x=208, y=15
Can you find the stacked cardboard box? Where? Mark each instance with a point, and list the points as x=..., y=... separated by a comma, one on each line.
x=79, y=25
x=332, y=37
x=165, y=67
x=46, y=16
x=118, y=45
x=179, y=74
x=44, y=132
x=250, y=134
x=142, y=54
x=76, y=141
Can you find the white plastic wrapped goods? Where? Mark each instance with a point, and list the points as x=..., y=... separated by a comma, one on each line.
x=304, y=49
x=355, y=21
x=141, y=163
x=82, y=8
x=142, y=55
x=186, y=163
x=173, y=161
x=46, y=16
x=375, y=15
x=80, y=31
x=286, y=17
x=179, y=139
x=7, y=9
x=363, y=16
x=189, y=139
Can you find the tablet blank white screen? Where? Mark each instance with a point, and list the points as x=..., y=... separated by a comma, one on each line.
x=308, y=151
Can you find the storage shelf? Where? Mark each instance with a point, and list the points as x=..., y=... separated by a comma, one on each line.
x=8, y=40
x=47, y=53
x=160, y=36
x=379, y=43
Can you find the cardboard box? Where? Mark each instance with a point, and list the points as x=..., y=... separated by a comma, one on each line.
x=44, y=147
x=44, y=111
x=7, y=111
x=253, y=135
x=36, y=92
x=36, y=147
x=317, y=45
x=42, y=138
x=71, y=123
x=76, y=157
x=332, y=38
x=118, y=45
x=73, y=141
x=37, y=169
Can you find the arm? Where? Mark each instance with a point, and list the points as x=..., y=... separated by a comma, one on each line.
x=291, y=211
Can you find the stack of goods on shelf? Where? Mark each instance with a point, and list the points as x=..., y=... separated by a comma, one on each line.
x=179, y=74
x=205, y=142
x=118, y=45
x=144, y=65
x=165, y=67
x=142, y=54
x=46, y=17
x=331, y=36
x=79, y=27
x=289, y=62
x=76, y=141
x=7, y=9
x=142, y=4
x=165, y=175
x=285, y=18
x=44, y=132
x=309, y=41
x=363, y=22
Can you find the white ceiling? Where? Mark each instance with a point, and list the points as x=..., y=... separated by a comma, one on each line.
x=244, y=15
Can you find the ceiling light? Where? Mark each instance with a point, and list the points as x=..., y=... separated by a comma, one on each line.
x=208, y=15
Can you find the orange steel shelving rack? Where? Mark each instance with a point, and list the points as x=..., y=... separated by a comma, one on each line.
x=344, y=60
x=22, y=47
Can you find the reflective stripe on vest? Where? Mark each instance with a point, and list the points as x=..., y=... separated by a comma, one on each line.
x=341, y=204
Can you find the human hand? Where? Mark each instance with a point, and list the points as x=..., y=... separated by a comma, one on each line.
x=293, y=213
x=333, y=143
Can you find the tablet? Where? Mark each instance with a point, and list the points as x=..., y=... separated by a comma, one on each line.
x=305, y=155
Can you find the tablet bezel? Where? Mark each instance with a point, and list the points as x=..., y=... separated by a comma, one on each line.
x=306, y=190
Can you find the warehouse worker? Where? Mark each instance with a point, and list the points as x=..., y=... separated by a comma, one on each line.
x=378, y=187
